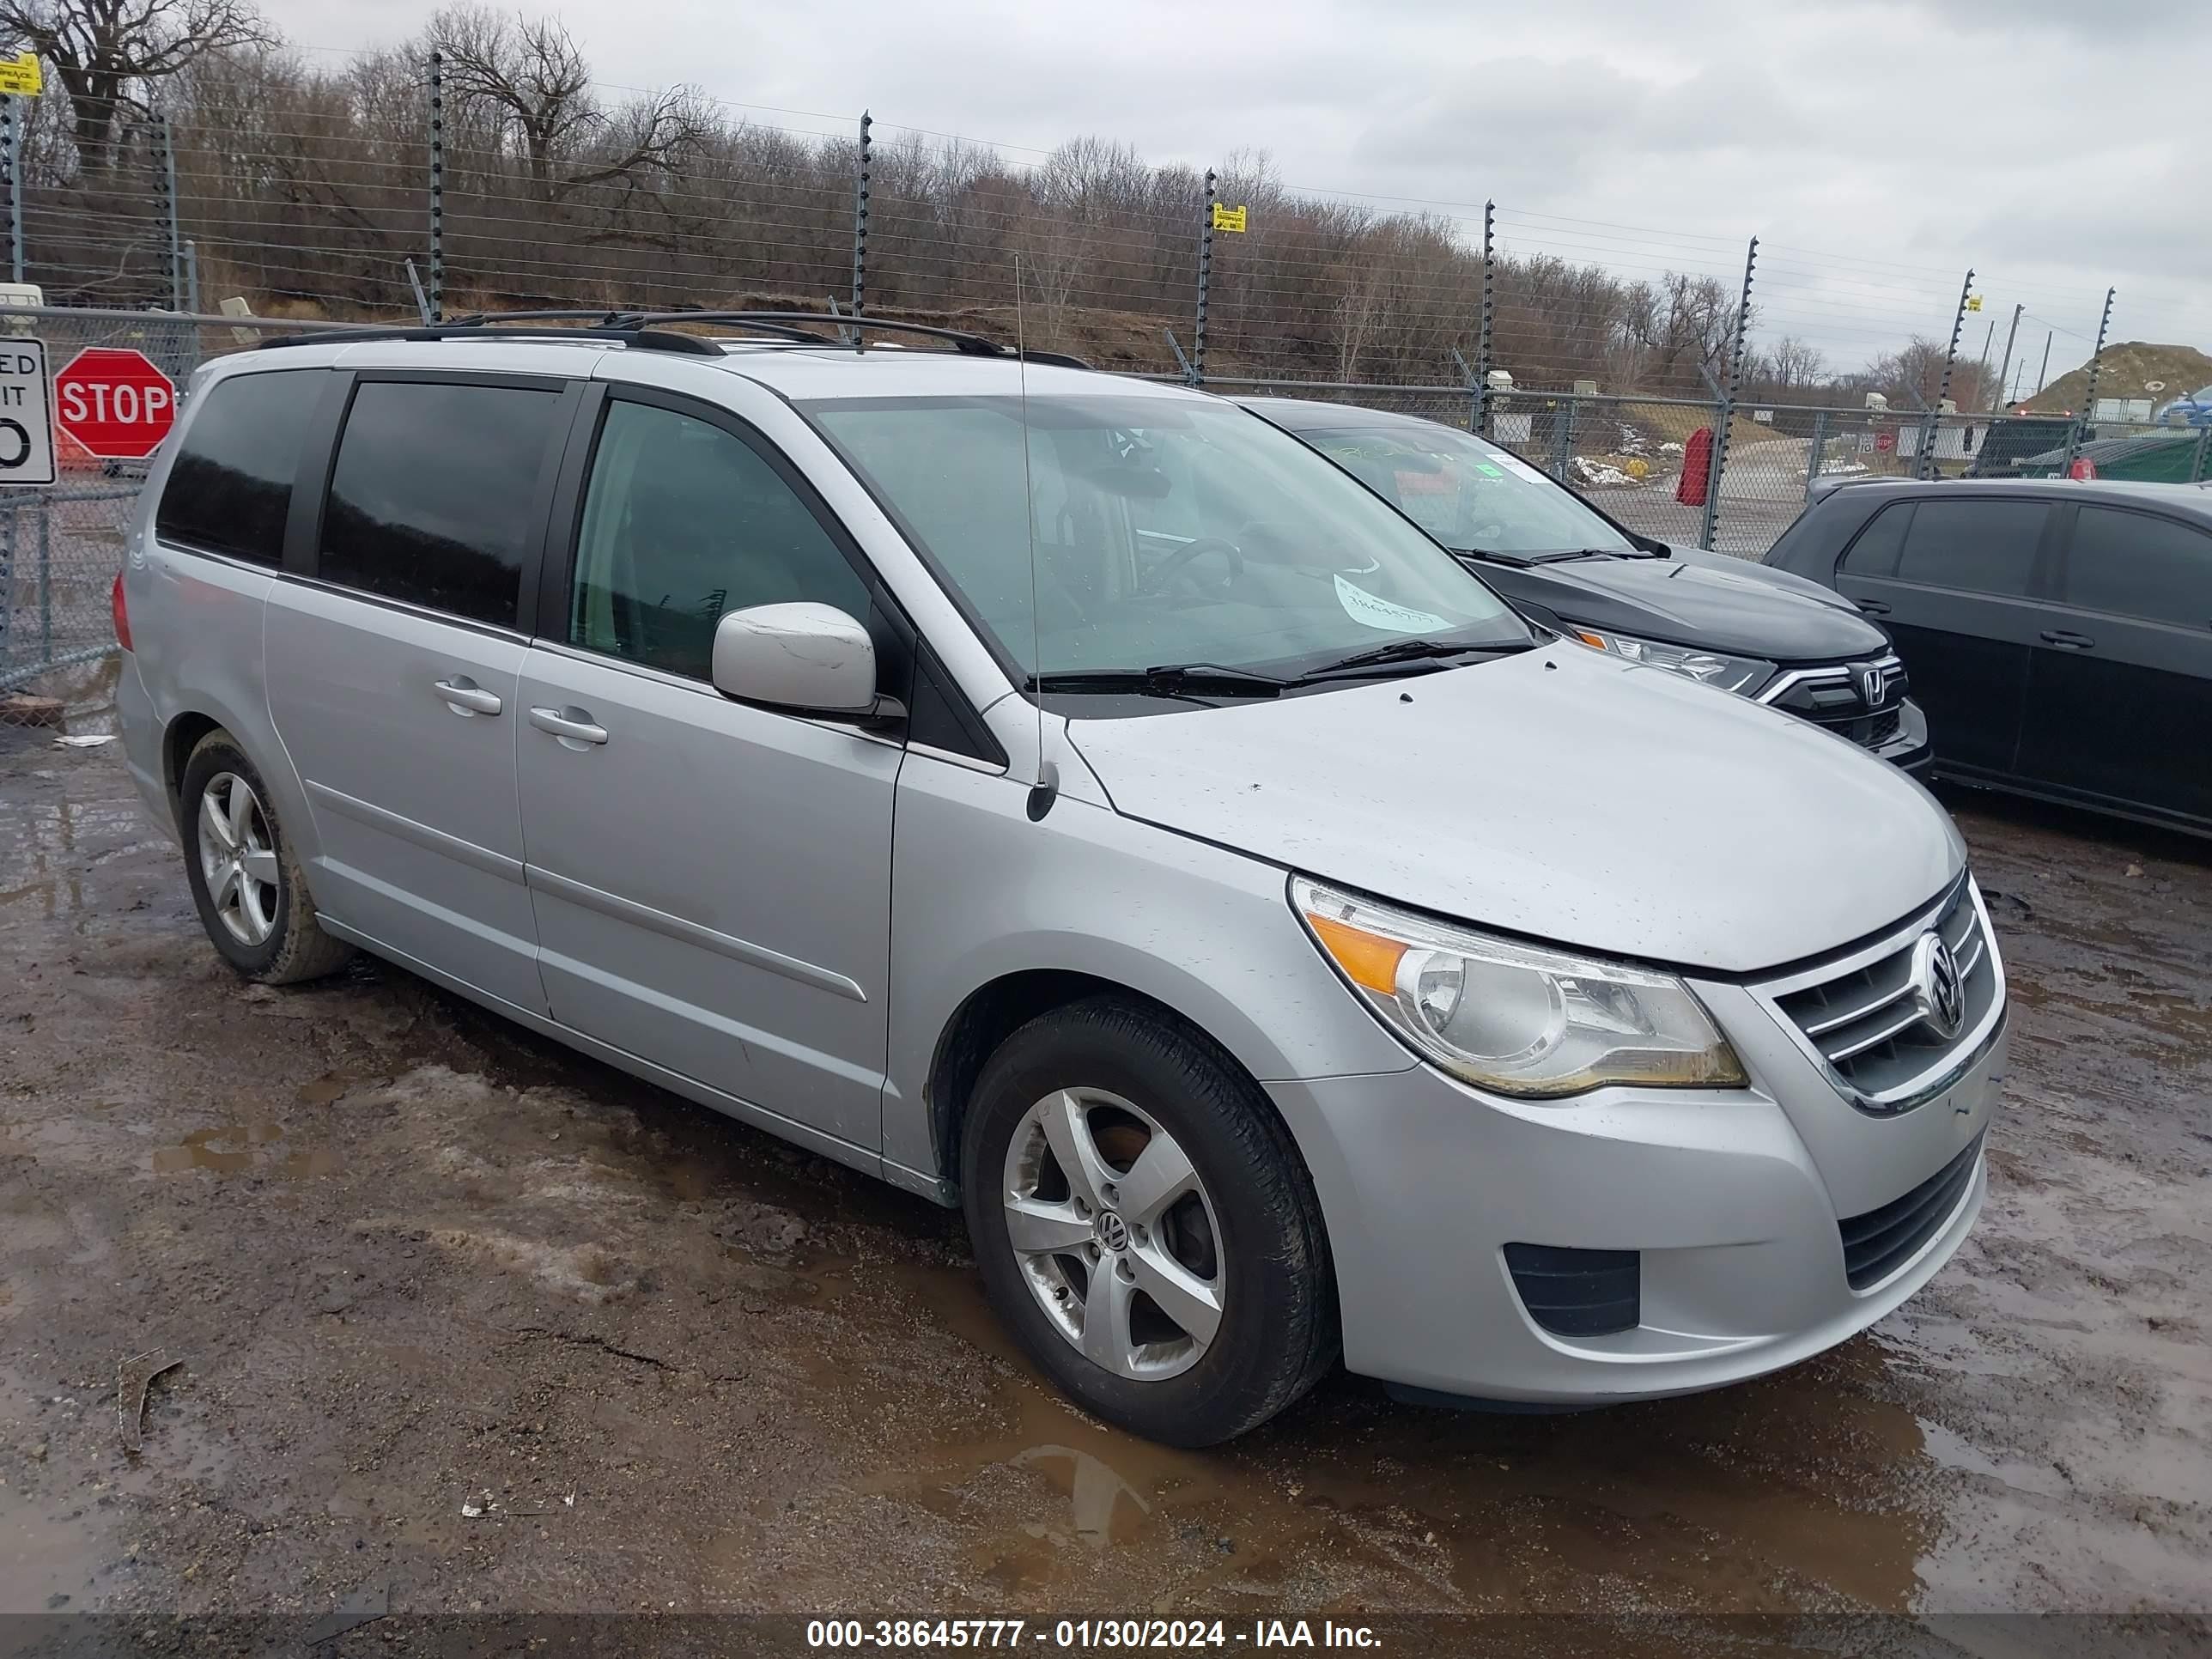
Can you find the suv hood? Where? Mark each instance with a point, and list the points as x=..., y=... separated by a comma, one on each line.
x=1700, y=599
x=1560, y=794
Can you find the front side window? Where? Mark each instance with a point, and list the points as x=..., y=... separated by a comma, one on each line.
x=2131, y=564
x=1471, y=496
x=1164, y=531
x=230, y=487
x=683, y=522
x=434, y=494
x=1974, y=546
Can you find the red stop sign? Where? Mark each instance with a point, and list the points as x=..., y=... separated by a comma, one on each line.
x=114, y=402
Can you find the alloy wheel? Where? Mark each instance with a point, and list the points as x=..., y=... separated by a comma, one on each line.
x=238, y=859
x=1115, y=1234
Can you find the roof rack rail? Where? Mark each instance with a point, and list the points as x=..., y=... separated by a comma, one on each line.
x=968, y=345
x=647, y=330
x=645, y=339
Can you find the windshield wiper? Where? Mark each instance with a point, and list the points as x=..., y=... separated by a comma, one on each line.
x=1187, y=679
x=1408, y=651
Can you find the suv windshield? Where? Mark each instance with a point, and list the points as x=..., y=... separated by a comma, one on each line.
x=1471, y=496
x=1168, y=531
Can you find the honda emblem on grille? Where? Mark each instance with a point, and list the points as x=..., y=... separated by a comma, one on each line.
x=1870, y=685
x=1939, y=993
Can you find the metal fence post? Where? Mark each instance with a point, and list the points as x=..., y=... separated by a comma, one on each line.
x=1489, y=293
x=8, y=588
x=1926, y=468
x=1997, y=396
x=2088, y=399
x=45, y=577
x=1815, y=456
x=11, y=173
x=437, y=295
x=1205, y=281
x=171, y=231
x=193, y=278
x=2196, y=455
x=860, y=220
x=1718, y=467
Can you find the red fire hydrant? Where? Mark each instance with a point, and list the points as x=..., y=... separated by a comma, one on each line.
x=1697, y=464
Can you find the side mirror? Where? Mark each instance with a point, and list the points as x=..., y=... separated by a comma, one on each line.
x=810, y=659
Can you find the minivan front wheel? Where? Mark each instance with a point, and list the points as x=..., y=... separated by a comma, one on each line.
x=1144, y=1223
x=251, y=896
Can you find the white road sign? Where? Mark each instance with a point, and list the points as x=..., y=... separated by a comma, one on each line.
x=26, y=413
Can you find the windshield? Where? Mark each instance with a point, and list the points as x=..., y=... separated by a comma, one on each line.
x=1168, y=531
x=1471, y=496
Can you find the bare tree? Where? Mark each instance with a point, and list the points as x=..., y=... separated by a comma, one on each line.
x=107, y=53
x=530, y=73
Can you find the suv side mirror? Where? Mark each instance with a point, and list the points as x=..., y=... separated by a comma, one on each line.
x=808, y=658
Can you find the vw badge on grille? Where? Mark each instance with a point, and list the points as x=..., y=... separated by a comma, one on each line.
x=1939, y=994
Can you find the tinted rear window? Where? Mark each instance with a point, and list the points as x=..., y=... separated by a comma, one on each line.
x=1873, y=553
x=435, y=493
x=230, y=486
x=2132, y=564
x=1977, y=547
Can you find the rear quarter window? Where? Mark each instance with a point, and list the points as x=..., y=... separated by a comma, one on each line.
x=230, y=486
x=1874, y=551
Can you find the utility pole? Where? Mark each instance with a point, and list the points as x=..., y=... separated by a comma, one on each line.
x=1997, y=395
x=2041, y=375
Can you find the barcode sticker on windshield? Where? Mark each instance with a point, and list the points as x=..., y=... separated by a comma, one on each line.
x=1363, y=606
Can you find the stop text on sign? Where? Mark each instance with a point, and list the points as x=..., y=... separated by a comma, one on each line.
x=126, y=405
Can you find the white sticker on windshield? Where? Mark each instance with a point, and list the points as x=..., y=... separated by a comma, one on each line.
x=1520, y=468
x=1363, y=606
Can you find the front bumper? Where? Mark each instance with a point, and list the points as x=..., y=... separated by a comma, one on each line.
x=1731, y=1198
x=1910, y=749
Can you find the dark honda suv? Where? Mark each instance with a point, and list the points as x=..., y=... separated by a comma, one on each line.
x=1760, y=633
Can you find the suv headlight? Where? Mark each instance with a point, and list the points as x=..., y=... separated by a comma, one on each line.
x=1510, y=1018
x=1741, y=675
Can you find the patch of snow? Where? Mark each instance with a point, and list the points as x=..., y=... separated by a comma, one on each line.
x=1598, y=475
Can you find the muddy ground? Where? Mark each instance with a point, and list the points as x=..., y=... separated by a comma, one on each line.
x=465, y=1322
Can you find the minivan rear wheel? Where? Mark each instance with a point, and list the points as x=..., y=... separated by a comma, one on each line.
x=1144, y=1224
x=253, y=898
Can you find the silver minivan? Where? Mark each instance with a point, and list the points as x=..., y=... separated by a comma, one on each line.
x=1074, y=799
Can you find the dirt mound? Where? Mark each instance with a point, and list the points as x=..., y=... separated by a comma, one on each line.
x=2127, y=371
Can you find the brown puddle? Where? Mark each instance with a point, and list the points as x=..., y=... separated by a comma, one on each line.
x=1733, y=1499
x=236, y=1148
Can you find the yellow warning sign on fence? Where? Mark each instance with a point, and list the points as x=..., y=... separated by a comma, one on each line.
x=20, y=76
x=1228, y=218
x=1973, y=302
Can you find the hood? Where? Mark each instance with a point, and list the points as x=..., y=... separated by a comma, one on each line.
x=1559, y=794
x=1699, y=598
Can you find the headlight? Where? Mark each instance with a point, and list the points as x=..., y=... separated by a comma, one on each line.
x=1510, y=1018
x=1742, y=675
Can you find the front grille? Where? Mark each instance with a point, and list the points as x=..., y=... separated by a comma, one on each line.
x=1878, y=1243
x=1577, y=1292
x=1868, y=1016
x=1835, y=699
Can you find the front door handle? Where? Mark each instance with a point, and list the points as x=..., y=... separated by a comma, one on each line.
x=1873, y=607
x=573, y=727
x=2066, y=641
x=466, y=698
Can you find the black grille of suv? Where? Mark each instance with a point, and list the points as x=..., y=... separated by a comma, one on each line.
x=1861, y=700
x=1878, y=1243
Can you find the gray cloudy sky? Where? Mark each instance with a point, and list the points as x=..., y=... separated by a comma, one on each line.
x=1877, y=150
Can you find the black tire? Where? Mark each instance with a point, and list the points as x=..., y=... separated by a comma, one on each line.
x=297, y=948
x=1278, y=1334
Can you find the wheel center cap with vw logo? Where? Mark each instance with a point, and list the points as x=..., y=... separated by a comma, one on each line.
x=1113, y=1231
x=1939, y=993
